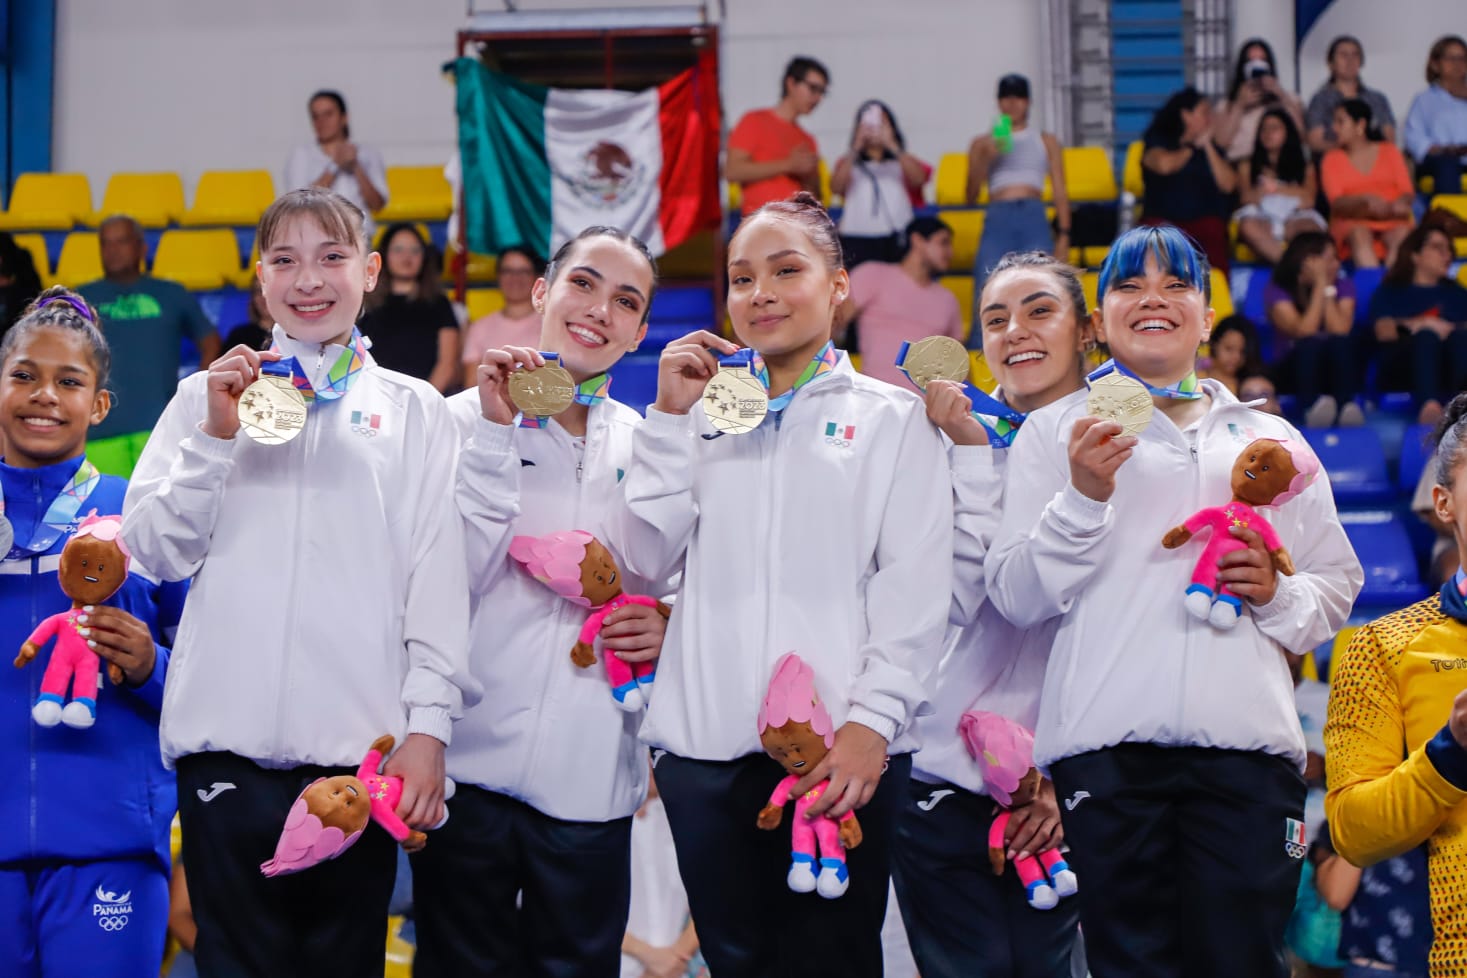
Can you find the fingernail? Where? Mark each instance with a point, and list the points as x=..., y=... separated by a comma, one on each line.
x=84, y=631
x=88, y=608
x=91, y=644
x=81, y=620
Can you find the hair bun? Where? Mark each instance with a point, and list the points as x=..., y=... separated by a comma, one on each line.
x=1453, y=415
x=803, y=198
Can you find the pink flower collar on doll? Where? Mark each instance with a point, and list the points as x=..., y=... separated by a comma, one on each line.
x=796, y=730
x=331, y=813
x=1004, y=751
x=94, y=566
x=579, y=568
x=1269, y=472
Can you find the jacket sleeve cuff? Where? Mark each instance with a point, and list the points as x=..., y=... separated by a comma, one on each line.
x=1285, y=598
x=490, y=436
x=661, y=423
x=883, y=725
x=434, y=721
x=150, y=691
x=1079, y=510
x=209, y=446
x=1448, y=757
x=971, y=459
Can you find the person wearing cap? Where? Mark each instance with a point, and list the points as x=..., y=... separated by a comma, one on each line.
x=1014, y=159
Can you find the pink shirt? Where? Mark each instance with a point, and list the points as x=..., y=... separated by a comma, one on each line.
x=893, y=309
x=497, y=329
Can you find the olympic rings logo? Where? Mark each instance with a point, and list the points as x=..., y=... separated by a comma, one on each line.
x=114, y=923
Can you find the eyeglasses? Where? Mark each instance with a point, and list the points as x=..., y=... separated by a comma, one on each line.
x=815, y=87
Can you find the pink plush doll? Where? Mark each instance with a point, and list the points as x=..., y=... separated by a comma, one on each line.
x=331, y=814
x=796, y=731
x=93, y=567
x=576, y=566
x=1269, y=472
x=1004, y=751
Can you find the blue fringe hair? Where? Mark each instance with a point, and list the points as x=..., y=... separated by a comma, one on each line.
x=1176, y=254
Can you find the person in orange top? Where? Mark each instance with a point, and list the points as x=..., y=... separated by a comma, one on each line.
x=1368, y=188
x=768, y=153
x=1396, y=732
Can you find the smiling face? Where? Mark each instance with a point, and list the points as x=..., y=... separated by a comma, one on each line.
x=600, y=578
x=49, y=397
x=795, y=746
x=594, y=312
x=313, y=283
x=1262, y=472
x=782, y=295
x=1031, y=337
x=92, y=569
x=341, y=802
x=1154, y=322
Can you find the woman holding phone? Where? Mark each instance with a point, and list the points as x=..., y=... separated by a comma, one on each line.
x=881, y=183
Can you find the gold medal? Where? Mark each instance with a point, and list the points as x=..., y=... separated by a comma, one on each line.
x=937, y=358
x=271, y=410
x=1116, y=397
x=735, y=401
x=543, y=392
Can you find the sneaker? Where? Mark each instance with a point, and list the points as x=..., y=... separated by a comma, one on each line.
x=629, y=697
x=834, y=880
x=1198, y=602
x=80, y=714
x=1351, y=416
x=1065, y=882
x=1226, y=611
x=1042, y=896
x=47, y=711
x=1322, y=413
x=801, y=876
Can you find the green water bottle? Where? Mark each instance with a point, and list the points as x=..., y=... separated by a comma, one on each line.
x=1003, y=134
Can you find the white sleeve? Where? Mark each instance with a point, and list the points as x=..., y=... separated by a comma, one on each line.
x=1312, y=604
x=977, y=498
x=487, y=493
x=298, y=169
x=173, y=495
x=435, y=624
x=654, y=524
x=1051, y=539
x=908, y=597
x=371, y=159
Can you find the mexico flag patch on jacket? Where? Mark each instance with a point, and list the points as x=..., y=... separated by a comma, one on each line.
x=540, y=164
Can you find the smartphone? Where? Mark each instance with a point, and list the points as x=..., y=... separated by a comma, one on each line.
x=871, y=118
x=1255, y=70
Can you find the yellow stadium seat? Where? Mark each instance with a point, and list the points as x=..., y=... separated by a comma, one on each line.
x=961, y=286
x=979, y=373
x=417, y=193
x=398, y=962
x=967, y=229
x=1094, y=255
x=952, y=180
x=1131, y=180
x=48, y=202
x=735, y=197
x=1462, y=275
x=81, y=259
x=1222, y=296
x=245, y=277
x=198, y=260
x=1456, y=204
x=1090, y=285
x=482, y=302
x=230, y=197
x=482, y=268
x=36, y=245
x=824, y=184
x=1088, y=174
x=154, y=200
x=855, y=359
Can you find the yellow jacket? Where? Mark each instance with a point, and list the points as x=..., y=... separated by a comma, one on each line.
x=1391, y=692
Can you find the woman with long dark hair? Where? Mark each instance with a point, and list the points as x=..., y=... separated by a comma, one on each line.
x=1254, y=89
x=1187, y=179
x=410, y=321
x=881, y=183
x=1312, y=307
x=1277, y=187
x=1368, y=188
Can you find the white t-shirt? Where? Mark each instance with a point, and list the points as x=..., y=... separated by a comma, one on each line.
x=876, y=202
x=308, y=161
x=659, y=910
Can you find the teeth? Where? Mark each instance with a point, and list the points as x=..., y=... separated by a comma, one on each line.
x=315, y=308
x=1024, y=357
x=586, y=334
x=44, y=422
x=1153, y=324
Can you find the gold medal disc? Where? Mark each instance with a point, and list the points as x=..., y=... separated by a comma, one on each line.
x=272, y=411
x=937, y=358
x=543, y=392
x=1116, y=397
x=735, y=401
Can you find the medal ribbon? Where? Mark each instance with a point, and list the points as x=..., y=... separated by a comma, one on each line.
x=1189, y=388
x=60, y=515
x=820, y=364
x=590, y=392
x=339, y=379
x=997, y=418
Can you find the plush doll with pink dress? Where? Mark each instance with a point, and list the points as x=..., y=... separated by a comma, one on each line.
x=1269, y=472
x=579, y=568
x=331, y=814
x=1004, y=751
x=796, y=731
x=94, y=566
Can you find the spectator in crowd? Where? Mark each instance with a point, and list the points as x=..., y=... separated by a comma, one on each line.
x=1312, y=307
x=144, y=319
x=1345, y=59
x=255, y=331
x=1419, y=315
x=336, y=163
x=410, y=321
x=1260, y=387
x=1368, y=189
x=1385, y=911
x=1436, y=125
x=1232, y=353
x=1255, y=89
x=518, y=322
x=1014, y=160
x=1187, y=179
x=903, y=302
x=19, y=282
x=660, y=941
x=1277, y=188
x=769, y=155
x=1396, y=737
x=881, y=183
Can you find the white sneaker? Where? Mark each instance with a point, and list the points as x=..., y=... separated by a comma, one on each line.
x=801, y=877
x=630, y=700
x=1322, y=413
x=1065, y=883
x=834, y=880
x=77, y=716
x=1198, y=604
x=47, y=713
x=1351, y=416
x=1043, y=897
x=1224, y=615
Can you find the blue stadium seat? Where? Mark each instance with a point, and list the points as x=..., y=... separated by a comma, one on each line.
x=634, y=381
x=684, y=304
x=1366, y=280
x=1415, y=452
x=1355, y=461
x=1380, y=541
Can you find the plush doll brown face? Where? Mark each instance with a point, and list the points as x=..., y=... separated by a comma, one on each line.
x=1263, y=472
x=1027, y=790
x=92, y=569
x=796, y=746
x=340, y=801
x=600, y=578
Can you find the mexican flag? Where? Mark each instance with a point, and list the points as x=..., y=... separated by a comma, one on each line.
x=540, y=164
